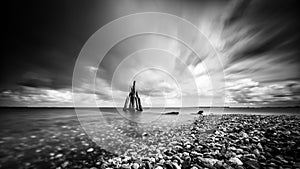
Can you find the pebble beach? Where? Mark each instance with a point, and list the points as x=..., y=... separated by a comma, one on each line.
x=235, y=141
x=210, y=141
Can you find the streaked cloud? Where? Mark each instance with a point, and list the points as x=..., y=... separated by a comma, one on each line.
x=255, y=41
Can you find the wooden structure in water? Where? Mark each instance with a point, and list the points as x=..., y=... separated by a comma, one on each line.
x=133, y=101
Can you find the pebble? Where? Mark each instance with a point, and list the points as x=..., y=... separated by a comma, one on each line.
x=256, y=152
x=236, y=161
x=58, y=155
x=135, y=166
x=176, y=166
x=90, y=150
x=65, y=164
x=260, y=147
x=252, y=164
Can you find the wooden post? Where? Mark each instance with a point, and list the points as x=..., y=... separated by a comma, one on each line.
x=134, y=100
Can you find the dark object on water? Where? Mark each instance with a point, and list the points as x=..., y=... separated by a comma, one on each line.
x=133, y=101
x=172, y=113
x=200, y=112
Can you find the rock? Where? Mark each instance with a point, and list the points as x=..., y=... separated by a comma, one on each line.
x=125, y=166
x=90, y=150
x=232, y=136
x=239, y=167
x=245, y=148
x=135, y=166
x=232, y=148
x=159, y=167
x=262, y=158
x=186, y=154
x=175, y=157
x=251, y=156
x=210, y=161
x=200, y=112
x=178, y=148
x=195, y=153
x=219, y=164
x=58, y=155
x=162, y=161
x=33, y=136
x=152, y=159
x=159, y=156
x=229, y=154
x=236, y=161
x=251, y=164
x=148, y=165
x=256, y=152
x=168, y=165
x=245, y=135
x=226, y=166
x=255, y=139
x=172, y=113
x=208, y=155
x=176, y=166
x=259, y=146
x=239, y=151
x=64, y=165
x=281, y=159
x=272, y=165
x=186, y=163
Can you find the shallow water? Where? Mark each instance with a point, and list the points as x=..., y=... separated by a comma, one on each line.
x=29, y=134
x=22, y=122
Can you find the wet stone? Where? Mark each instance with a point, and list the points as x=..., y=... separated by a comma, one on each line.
x=212, y=141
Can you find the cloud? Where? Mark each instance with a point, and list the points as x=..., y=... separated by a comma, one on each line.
x=32, y=96
x=256, y=42
x=249, y=92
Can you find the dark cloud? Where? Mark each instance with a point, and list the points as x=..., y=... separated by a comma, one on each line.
x=271, y=26
x=43, y=39
x=239, y=8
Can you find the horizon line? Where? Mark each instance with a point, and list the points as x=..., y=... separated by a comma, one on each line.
x=152, y=107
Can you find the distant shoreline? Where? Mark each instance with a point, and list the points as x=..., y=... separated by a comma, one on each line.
x=54, y=107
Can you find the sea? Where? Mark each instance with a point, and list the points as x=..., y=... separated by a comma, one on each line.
x=19, y=122
x=29, y=133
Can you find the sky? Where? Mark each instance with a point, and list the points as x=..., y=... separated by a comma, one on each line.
x=255, y=42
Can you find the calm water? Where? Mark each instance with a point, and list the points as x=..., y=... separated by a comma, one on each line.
x=24, y=121
x=39, y=134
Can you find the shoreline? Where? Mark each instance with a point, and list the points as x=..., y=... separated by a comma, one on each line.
x=210, y=141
